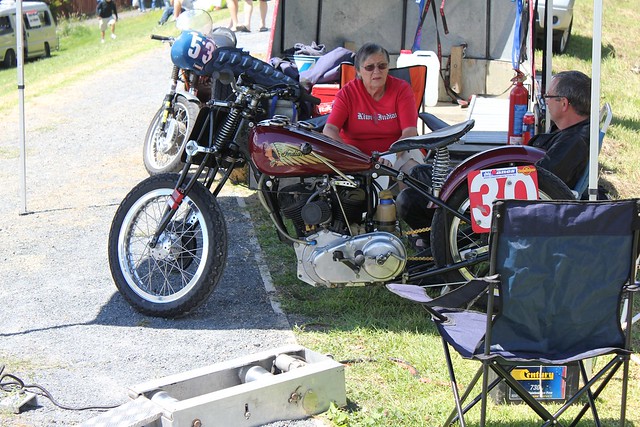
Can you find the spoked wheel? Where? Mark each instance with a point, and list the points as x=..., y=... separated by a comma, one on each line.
x=162, y=150
x=181, y=270
x=464, y=244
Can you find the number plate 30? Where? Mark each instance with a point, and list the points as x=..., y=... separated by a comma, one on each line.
x=486, y=186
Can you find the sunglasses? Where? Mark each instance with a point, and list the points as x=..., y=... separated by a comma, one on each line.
x=552, y=96
x=381, y=66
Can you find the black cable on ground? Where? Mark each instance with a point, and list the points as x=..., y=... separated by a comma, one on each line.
x=11, y=384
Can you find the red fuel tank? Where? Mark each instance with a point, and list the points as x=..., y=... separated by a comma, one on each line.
x=276, y=150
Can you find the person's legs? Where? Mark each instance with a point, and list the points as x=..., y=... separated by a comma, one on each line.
x=168, y=11
x=112, y=25
x=233, y=12
x=142, y=7
x=263, y=15
x=102, y=24
x=412, y=206
x=248, y=11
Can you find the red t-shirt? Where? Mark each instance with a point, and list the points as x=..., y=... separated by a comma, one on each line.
x=373, y=125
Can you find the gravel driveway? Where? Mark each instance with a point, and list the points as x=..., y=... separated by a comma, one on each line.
x=62, y=323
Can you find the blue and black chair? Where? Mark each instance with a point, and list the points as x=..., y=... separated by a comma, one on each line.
x=560, y=273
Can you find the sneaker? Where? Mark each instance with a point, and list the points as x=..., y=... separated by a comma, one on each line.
x=113, y=36
x=101, y=40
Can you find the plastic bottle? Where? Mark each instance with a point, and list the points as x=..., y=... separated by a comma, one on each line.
x=528, y=127
x=430, y=60
x=385, y=216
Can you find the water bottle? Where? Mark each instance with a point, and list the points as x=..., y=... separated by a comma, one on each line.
x=528, y=127
x=385, y=216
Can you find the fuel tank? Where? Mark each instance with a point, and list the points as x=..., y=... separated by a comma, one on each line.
x=276, y=149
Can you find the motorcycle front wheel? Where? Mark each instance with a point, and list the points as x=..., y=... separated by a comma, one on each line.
x=181, y=270
x=463, y=243
x=162, y=149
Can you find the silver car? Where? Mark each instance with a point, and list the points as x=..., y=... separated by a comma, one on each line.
x=562, y=20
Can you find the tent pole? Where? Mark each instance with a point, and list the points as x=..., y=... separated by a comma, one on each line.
x=548, y=48
x=21, y=127
x=594, y=135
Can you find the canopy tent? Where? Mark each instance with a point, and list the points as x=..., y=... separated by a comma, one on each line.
x=595, y=93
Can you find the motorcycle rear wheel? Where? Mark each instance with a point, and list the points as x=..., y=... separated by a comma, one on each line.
x=465, y=244
x=180, y=272
x=162, y=150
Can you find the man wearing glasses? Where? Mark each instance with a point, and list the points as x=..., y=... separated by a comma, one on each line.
x=568, y=100
x=567, y=148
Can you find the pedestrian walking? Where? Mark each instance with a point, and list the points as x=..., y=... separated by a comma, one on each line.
x=107, y=17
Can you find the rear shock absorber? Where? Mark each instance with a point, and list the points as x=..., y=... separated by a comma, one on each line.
x=228, y=129
x=441, y=167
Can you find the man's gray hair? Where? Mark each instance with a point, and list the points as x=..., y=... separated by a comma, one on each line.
x=576, y=87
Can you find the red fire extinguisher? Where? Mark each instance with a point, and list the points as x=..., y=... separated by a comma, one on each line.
x=518, y=106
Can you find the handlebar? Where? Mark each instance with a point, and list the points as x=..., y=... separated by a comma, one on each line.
x=307, y=97
x=162, y=38
x=292, y=91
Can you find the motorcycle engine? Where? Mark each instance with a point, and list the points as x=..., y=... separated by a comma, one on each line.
x=311, y=206
x=332, y=215
x=341, y=260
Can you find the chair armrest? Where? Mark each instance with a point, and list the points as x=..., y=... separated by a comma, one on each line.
x=458, y=298
x=465, y=295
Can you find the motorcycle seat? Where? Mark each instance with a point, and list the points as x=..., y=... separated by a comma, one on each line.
x=432, y=122
x=436, y=139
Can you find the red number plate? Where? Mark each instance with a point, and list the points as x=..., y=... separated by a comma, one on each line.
x=485, y=186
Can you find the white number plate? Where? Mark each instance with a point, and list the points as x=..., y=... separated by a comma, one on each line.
x=485, y=186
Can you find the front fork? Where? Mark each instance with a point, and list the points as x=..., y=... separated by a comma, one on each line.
x=186, y=181
x=169, y=98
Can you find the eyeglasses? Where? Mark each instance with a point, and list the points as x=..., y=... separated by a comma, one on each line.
x=553, y=96
x=381, y=66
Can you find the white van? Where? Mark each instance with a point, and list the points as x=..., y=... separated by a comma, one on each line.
x=39, y=30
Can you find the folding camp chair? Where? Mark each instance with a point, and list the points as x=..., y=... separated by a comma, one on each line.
x=561, y=271
x=415, y=75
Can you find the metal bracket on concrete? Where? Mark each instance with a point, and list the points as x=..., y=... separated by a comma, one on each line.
x=14, y=401
x=286, y=383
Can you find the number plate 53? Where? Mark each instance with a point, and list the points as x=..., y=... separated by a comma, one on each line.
x=486, y=186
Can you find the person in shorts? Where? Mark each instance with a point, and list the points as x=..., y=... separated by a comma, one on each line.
x=107, y=17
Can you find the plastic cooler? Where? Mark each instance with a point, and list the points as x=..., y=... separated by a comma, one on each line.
x=304, y=62
x=430, y=60
x=326, y=93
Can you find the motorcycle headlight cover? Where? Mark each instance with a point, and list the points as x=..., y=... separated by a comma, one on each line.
x=192, y=51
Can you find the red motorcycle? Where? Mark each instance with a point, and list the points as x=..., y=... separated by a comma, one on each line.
x=168, y=240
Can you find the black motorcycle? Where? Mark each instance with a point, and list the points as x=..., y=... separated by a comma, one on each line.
x=174, y=120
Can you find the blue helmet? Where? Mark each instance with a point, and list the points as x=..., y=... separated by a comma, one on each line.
x=193, y=51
